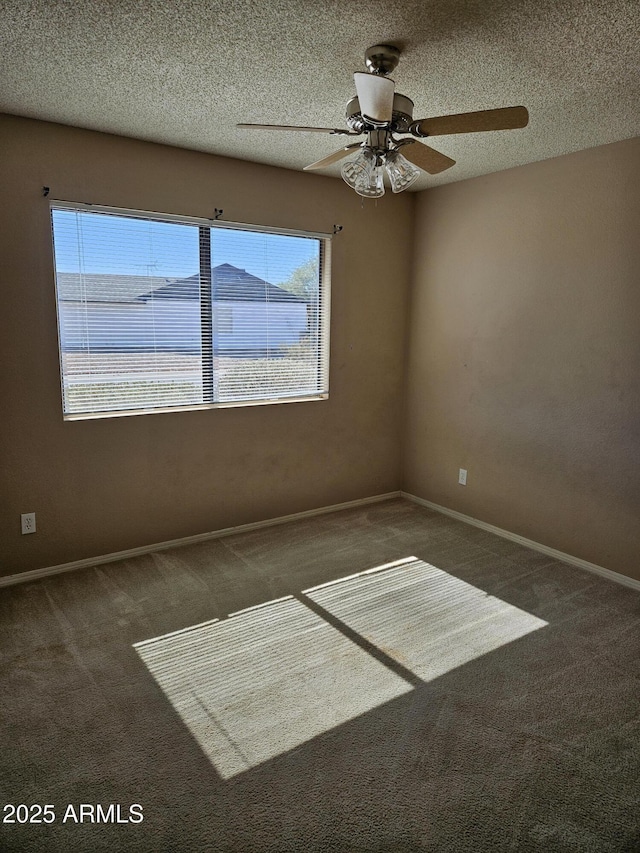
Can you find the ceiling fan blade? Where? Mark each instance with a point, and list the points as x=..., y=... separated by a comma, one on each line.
x=505, y=118
x=333, y=158
x=426, y=158
x=375, y=96
x=295, y=127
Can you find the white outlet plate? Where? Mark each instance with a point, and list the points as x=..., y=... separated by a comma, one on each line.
x=462, y=477
x=28, y=522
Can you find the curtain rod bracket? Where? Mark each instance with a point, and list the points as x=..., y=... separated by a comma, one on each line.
x=45, y=191
x=337, y=229
x=218, y=211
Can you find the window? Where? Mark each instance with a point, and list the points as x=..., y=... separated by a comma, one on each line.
x=158, y=312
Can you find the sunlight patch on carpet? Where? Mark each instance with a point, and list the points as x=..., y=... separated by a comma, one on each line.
x=425, y=619
x=265, y=681
x=270, y=678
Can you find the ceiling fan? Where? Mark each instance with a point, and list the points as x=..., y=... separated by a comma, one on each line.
x=383, y=114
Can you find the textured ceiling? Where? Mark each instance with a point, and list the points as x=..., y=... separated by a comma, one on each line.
x=185, y=72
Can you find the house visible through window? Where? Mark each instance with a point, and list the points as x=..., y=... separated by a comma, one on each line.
x=159, y=313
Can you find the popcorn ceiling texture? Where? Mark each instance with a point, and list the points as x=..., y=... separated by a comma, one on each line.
x=185, y=73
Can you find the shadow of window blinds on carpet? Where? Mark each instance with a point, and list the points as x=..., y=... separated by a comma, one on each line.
x=272, y=677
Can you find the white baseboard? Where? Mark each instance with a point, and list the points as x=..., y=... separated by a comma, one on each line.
x=528, y=543
x=36, y=574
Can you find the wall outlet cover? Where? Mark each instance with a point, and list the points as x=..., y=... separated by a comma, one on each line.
x=28, y=522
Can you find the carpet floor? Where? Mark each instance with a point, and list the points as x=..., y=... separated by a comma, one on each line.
x=377, y=680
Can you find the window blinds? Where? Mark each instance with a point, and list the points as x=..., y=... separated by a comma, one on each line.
x=157, y=314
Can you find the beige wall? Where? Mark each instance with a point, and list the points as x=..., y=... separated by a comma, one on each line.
x=100, y=486
x=524, y=358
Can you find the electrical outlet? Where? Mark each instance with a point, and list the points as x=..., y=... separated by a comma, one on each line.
x=28, y=522
x=462, y=477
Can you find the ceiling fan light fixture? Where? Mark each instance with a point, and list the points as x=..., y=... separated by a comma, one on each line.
x=402, y=174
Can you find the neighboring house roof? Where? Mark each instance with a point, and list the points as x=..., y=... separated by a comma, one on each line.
x=105, y=287
x=230, y=284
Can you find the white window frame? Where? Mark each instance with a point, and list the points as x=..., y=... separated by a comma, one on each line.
x=324, y=239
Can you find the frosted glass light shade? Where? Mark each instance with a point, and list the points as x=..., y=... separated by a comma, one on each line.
x=362, y=175
x=375, y=96
x=401, y=172
x=356, y=169
x=374, y=186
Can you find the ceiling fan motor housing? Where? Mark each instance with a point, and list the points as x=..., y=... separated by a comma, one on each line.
x=400, y=121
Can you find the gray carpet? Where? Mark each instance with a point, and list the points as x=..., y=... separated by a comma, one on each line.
x=380, y=680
